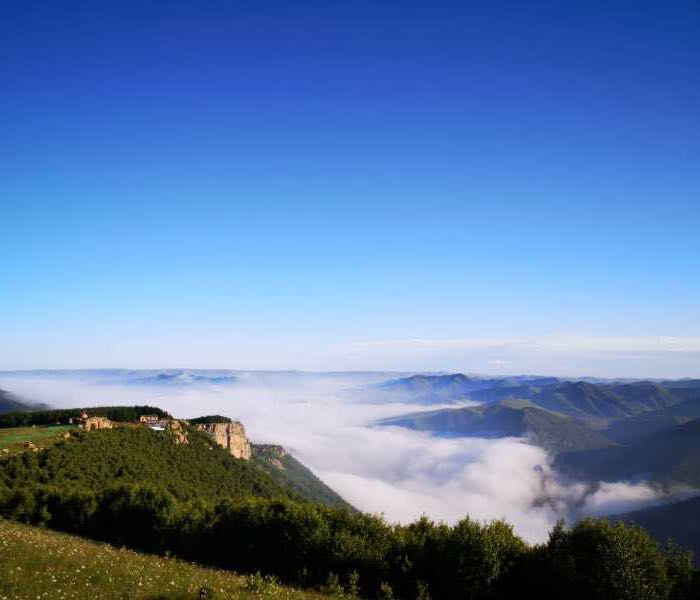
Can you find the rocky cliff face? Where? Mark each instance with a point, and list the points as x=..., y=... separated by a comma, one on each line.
x=272, y=454
x=272, y=450
x=97, y=423
x=178, y=432
x=230, y=436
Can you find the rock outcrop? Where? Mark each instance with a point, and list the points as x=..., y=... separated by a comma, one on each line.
x=230, y=436
x=178, y=432
x=272, y=450
x=97, y=423
x=272, y=454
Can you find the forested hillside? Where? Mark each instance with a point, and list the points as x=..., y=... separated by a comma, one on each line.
x=136, y=455
x=289, y=472
x=148, y=490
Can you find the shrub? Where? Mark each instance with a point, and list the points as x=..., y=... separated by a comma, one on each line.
x=598, y=559
x=264, y=586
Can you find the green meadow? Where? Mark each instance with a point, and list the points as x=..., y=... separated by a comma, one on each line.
x=13, y=439
x=37, y=563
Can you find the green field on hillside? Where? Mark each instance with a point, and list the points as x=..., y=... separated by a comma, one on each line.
x=37, y=563
x=13, y=439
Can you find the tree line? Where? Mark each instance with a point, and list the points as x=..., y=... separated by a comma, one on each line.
x=63, y=415
x=311, y=545
x=205, y=420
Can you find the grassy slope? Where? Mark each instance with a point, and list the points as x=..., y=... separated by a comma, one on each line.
x=13, y=439
x=37, y=563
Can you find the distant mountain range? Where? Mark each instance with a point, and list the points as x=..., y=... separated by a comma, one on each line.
x=586, y=415
x=156, y=377
x=181, y=377
x=434, y=389
x=554, y=431
x=597, y=431
x=165, y=378
x=668, y=456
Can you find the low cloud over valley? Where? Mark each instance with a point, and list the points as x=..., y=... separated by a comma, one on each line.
x=329, y=422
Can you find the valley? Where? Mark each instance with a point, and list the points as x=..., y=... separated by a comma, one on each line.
x=643, y=432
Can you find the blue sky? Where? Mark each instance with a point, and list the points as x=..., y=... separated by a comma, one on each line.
x=476, y=186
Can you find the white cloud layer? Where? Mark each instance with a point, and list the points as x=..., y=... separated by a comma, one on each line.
x=394, y=471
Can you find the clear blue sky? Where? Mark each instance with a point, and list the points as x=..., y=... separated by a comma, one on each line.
x=320, y=184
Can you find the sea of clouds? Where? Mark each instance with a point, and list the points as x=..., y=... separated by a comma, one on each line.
x=328, y=422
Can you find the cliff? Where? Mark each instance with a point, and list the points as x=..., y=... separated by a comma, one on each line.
x=272, y=454
x=91, y=423
x=230, y=436
x=178, y=432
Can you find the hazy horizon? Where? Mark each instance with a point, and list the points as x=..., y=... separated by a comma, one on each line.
x=330, y=372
